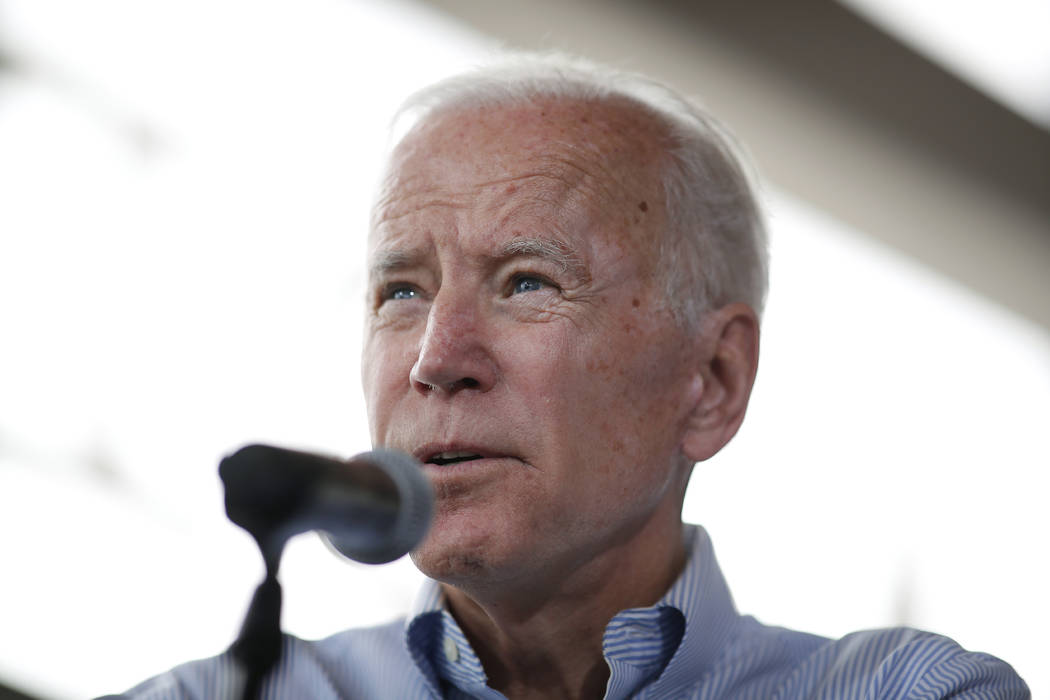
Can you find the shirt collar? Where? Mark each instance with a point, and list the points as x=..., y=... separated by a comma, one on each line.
x=710, y=618
x=666, y=644
x=438, y=646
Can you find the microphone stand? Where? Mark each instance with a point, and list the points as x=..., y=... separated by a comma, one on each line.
x=275, y=494
x=265, y=512
x=258, y=645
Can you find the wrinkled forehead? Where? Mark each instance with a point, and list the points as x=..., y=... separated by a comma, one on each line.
x=604, y=156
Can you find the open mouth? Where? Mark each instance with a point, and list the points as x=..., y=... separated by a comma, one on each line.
x=443, y=458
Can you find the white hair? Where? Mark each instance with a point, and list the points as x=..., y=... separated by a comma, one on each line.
x=715, y=250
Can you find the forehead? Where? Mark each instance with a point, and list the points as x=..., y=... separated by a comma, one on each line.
x=566, y=159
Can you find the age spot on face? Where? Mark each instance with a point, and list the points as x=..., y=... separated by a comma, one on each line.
x=643, y=206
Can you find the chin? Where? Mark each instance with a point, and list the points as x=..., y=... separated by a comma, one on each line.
x=456, y=568
x=463, y=560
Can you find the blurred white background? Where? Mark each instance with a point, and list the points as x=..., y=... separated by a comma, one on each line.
x=183, y=203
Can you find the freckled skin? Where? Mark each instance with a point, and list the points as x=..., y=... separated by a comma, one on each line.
x=583, y=384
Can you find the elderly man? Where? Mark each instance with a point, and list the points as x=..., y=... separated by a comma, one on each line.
x=567, y=268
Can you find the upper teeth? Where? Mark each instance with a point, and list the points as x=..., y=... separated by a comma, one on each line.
x=455, y=454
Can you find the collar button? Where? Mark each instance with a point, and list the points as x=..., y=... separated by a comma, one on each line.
x=450, y=649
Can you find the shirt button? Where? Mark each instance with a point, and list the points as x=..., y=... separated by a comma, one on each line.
x=451, y=650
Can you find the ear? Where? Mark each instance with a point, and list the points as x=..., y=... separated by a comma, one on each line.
x=729, y=361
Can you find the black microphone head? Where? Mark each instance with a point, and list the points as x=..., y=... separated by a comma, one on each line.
x=415, y=510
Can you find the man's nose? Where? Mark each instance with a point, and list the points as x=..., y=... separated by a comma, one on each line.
x=453, y=355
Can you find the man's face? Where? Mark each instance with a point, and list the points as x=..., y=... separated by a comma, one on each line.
x=518, y=341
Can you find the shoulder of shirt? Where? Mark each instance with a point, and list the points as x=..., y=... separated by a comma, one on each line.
x=899, y=662
x=219, y=676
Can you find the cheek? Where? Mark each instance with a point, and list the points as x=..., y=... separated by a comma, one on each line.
x=385, y=369
x=633, y=396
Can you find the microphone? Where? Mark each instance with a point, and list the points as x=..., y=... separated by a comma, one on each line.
x=372, y=508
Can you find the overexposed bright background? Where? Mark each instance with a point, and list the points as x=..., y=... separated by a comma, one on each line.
x=184, y=192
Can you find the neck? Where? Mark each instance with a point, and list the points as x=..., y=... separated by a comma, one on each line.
x=543, y=637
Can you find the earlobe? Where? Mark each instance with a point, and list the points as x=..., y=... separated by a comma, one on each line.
x=727, y=373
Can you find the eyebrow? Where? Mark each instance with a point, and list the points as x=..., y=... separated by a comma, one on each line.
x=390, y=260
x=560, y=254
x=553, y=251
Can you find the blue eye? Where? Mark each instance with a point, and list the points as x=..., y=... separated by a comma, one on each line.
x=527, y=284
x=401, y=293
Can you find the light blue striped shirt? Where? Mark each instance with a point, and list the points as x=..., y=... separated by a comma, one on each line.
x=691, y=644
